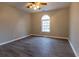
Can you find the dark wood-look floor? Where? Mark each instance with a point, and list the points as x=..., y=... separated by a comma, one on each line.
x=37, y=47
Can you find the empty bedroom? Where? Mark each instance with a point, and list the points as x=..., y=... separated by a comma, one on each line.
x=39, y=29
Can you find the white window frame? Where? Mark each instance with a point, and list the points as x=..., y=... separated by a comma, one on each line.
x=44, y=19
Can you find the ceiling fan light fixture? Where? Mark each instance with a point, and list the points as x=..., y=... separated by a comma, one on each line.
x=35, y=5
x=35, y=8
x=30, y=6
x=38, y=6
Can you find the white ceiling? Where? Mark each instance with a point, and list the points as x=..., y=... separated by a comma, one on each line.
x=49, y=6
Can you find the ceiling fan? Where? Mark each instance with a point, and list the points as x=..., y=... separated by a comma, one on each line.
x=35, y=5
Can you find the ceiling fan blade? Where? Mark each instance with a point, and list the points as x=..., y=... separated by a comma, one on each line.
x=27, y=6
x=32, y=2
x=43, y=3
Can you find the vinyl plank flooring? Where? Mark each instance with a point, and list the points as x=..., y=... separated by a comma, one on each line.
x=37, y=47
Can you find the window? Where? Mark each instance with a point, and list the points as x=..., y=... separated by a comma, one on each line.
x=45, y=23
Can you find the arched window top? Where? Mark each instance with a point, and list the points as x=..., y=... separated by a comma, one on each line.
x=45, y=17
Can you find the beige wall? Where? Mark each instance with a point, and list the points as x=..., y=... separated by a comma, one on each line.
x=59, y=22
x=13, y=23
x=74, y=27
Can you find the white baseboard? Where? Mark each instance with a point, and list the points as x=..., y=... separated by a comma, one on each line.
x=73, y=49
x=51, y=36
x=14, y=40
